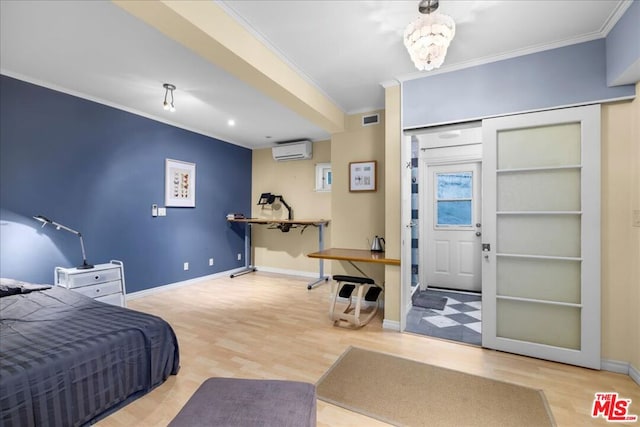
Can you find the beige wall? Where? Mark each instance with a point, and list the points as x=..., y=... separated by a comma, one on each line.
x=393, y=140
x=357, y=217
x=295, y=181
x=635, y=254
x=635, y=232
x=620, y=240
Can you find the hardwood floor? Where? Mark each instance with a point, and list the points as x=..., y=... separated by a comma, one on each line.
x=270, y=326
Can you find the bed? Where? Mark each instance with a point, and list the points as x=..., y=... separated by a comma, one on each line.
x=67, y=360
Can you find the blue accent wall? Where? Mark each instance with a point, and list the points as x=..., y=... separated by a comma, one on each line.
x=98, y=170
x=569, y=75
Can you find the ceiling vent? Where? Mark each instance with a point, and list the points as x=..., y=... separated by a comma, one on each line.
x=372, y=119
x=299, y=150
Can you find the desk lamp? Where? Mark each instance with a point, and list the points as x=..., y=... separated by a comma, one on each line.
x=44, y=220
x=268, y=198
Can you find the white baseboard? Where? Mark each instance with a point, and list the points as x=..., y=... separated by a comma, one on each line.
x=634, y=373
x=614, y=366
x=311, y=274
x=162, y=288
x=619, y=367
x=391, y=325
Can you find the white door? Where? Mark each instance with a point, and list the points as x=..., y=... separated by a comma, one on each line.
x=453, y=227
x=541, y=235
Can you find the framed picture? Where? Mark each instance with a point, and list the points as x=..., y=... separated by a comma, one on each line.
x=362, y=176
x=179, y=184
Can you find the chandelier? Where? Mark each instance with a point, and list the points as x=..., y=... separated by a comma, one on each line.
x=428, y=37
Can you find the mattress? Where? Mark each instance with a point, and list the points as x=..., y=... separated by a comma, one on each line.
x=67, y=360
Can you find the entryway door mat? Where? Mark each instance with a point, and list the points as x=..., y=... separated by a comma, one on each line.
x=403, y=392
x=426, y=299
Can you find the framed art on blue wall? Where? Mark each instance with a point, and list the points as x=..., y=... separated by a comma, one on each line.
x=180, y=184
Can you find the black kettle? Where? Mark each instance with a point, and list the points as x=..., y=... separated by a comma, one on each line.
x=378, y=244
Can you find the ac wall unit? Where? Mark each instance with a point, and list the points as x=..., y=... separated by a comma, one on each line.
x=299, y=150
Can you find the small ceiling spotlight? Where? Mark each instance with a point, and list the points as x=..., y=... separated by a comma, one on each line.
x=168, y=87
x=231, y=122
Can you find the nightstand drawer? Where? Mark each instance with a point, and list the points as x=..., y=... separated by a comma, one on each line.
x=92, y=278
x=103, y=282
x=100, y=290
x=113, y=299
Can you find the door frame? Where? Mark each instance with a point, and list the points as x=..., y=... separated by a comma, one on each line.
x=426, y=208
x=448, y=136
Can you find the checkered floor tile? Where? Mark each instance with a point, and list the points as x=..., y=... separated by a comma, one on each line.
x=460, y=320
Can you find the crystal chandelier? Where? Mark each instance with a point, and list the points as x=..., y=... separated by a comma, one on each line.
x=428, y=37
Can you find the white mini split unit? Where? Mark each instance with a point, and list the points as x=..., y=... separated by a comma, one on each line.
x=299, y=150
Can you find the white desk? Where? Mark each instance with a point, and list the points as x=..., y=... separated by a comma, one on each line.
x=282, y=224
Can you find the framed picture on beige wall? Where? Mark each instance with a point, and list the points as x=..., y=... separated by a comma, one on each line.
x=362, y=176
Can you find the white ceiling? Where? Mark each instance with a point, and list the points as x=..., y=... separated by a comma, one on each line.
x=96, y=50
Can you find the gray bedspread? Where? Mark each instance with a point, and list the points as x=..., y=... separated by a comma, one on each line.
x=67, y=360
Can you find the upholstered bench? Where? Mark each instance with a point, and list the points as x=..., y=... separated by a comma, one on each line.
x=235, y=402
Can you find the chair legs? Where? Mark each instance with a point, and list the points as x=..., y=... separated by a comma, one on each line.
x=353, y=314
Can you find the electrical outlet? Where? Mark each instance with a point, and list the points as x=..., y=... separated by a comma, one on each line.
x=239, y=256
x=186, y=266
x=210, y=261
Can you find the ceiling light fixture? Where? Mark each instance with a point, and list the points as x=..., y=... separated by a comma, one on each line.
x=168, y=87
x=428, y=37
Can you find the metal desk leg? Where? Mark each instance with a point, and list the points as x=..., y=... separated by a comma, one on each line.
x=321, y=277
x=248, y=268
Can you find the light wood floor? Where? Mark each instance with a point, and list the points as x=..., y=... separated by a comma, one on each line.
x=269, y=326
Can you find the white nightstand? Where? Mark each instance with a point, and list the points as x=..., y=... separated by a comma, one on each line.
x=104, y=282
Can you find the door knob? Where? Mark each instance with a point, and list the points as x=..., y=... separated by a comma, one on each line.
x=478, y=233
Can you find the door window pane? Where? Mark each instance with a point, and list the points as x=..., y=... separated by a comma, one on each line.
x=549, y=190
x=454, y=213
x=548, y=235
x=541, y=323
x=544, y=146
x=454, y=185
x=453, y=201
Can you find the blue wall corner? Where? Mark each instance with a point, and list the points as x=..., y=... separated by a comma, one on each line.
x=98, y=170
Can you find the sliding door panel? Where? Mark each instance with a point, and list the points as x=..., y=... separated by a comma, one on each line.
x=541, y=235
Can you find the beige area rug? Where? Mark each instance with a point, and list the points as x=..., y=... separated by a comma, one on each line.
x=407, y=393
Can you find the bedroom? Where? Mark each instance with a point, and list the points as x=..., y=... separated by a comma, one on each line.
x=108, y=196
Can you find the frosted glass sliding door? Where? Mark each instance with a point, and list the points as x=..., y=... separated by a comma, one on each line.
x=541, y=289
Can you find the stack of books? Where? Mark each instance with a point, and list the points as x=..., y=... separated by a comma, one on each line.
x=235, y=216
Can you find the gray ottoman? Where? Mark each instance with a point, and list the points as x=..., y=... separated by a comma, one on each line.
x=234, y=402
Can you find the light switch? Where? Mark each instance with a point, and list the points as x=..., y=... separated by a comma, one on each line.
x=162, y=211
x=154, y=210
x=636, y=218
